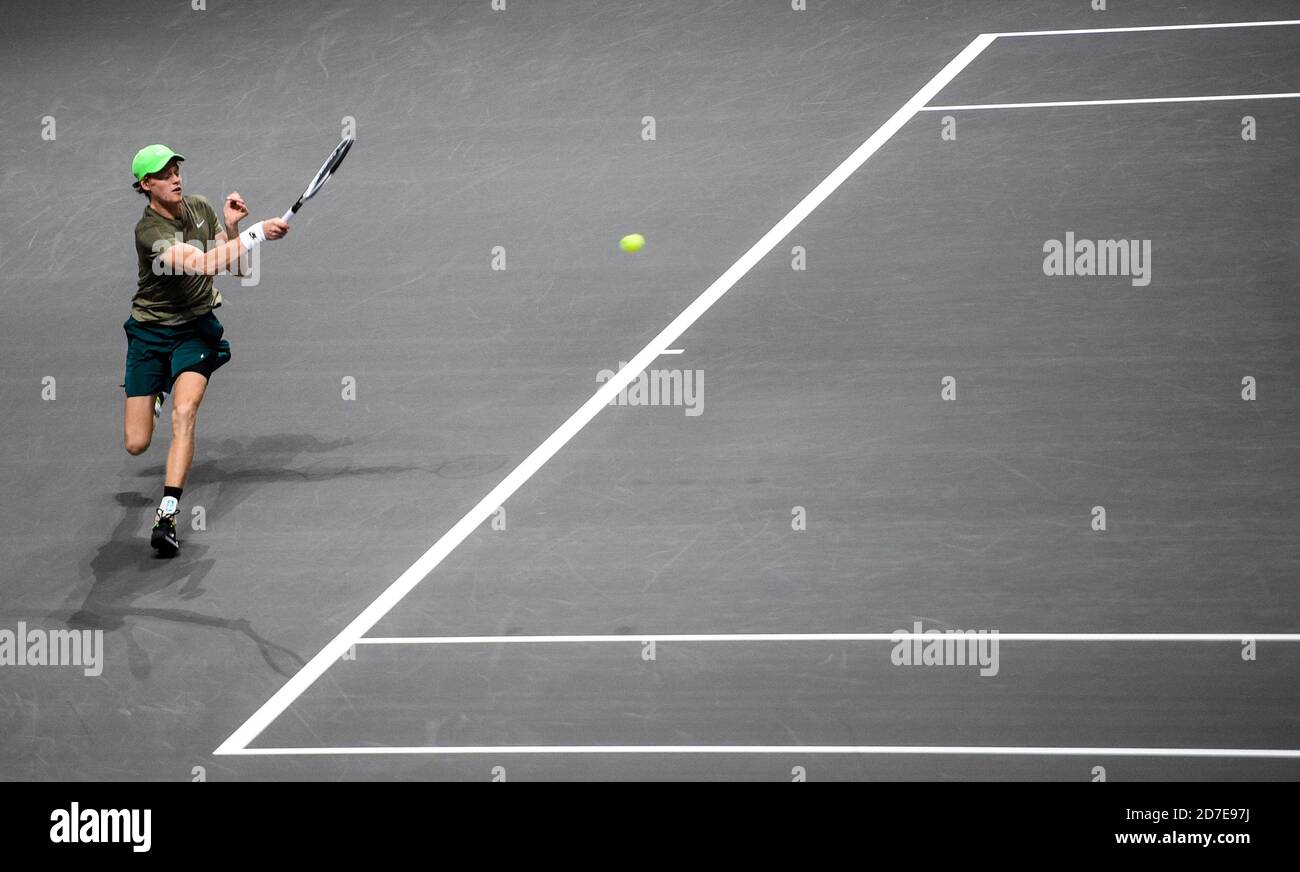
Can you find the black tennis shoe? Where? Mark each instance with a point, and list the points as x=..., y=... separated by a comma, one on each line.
x=164, y=539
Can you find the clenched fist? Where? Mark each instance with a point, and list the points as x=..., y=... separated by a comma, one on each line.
x=235, y=210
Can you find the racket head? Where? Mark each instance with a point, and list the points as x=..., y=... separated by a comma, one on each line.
x=327, y=169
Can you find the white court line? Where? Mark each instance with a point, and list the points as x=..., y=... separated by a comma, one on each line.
x=1110, y=102
x=831, y=637
x=498, y=496
x=791, y=750
x=674, y=350
x=1157, y=27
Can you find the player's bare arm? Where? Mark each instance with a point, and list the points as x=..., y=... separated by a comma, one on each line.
x=186, y=258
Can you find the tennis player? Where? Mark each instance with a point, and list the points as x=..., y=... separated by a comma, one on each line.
x=174, y=342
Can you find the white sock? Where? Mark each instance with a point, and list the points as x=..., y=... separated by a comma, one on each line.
x=169, y=505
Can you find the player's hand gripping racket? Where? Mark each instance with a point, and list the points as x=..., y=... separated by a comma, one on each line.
x=327, y=169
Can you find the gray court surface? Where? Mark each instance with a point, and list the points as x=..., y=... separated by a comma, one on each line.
x=897, y=419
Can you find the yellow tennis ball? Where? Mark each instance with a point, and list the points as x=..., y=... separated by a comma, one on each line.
x=632, y=242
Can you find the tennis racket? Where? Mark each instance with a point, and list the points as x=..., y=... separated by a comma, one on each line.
x=327, y=169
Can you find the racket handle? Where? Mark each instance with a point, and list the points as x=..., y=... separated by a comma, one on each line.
x=288, y=216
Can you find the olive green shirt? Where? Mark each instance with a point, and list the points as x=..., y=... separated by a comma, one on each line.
x=174, y=299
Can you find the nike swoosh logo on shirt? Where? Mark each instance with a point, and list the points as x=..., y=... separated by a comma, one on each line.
x=200, y=224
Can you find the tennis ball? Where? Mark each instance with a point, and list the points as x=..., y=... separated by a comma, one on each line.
x=632, y=242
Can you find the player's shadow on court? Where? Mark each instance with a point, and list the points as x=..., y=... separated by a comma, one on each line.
x=124, y=569
x=237, y=468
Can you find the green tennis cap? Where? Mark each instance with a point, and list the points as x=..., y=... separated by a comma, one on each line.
x=151, y=159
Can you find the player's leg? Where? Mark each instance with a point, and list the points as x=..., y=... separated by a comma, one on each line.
x=187, y=396
x=147, y=366
x=139, y=424
x=198, y=350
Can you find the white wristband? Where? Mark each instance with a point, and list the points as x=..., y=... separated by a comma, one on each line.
x=253, y=236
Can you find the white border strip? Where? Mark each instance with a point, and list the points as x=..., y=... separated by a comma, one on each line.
x=497, y=497
x=791, y=750
x=832, y=637
x=1157, y=27
x=1110, y=102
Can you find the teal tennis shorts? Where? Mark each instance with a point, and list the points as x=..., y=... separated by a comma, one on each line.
x=156, y=354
